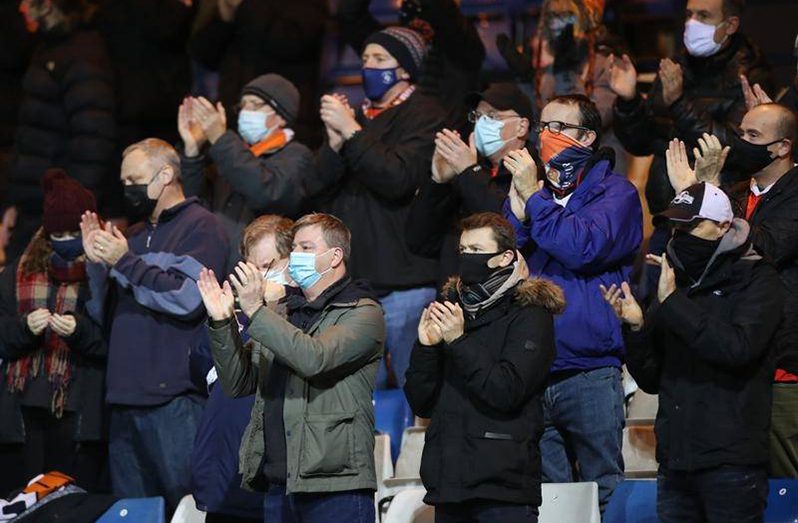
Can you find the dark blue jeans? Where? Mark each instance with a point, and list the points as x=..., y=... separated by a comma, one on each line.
x=402, y=313
x=727, y=494
x=150, y=449
x=353, y=506
x=484, y=511
x=583, y=433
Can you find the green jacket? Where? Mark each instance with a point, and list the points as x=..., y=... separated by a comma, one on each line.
x=328, y=412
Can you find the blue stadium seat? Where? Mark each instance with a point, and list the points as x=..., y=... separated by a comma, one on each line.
x=634, y=501
x=782, y=501
x=392, y=416
x=136, y=510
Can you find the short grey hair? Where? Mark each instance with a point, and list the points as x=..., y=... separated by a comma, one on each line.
x=159, y=154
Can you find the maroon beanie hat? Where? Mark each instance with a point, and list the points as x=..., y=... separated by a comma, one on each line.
x=65, y=200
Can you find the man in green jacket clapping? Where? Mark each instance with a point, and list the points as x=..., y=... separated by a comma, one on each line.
x=311, y=436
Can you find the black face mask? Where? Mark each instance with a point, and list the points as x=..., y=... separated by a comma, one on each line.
x=750, y=158
x=474, y=267
x=138, y=205
x=693, y=252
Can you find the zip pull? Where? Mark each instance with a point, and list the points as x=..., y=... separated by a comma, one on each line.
x=149, y=239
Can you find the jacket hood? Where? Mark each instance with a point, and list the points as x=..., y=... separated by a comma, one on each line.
x=735, y=242
x=533, y=292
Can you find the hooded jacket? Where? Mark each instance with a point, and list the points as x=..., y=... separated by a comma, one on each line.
x=712, y=102
x=706, y=350
x=484, y=393
x=593, y=240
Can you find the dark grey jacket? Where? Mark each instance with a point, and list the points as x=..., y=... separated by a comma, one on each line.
x=243, y=186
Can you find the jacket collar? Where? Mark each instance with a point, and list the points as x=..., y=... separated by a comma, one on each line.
x=532, y=292
x=346, y=292
x=173, y=211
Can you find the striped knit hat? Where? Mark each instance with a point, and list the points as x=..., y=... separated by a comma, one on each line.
x=406, y=45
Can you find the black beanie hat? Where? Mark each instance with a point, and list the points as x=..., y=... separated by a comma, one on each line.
x=278, y=92
x=406, y=45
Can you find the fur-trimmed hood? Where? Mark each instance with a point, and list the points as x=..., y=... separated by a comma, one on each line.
x=533, y=292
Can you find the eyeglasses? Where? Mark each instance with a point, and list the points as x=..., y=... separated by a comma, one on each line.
x=475, y=115
x=556, y=127
x=253, y=106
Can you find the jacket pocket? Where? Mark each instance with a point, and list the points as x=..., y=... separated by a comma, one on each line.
x=498, y=458
x=328, y=446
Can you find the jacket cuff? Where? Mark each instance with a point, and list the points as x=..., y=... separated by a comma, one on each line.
x=219, y=324
x=628, y=106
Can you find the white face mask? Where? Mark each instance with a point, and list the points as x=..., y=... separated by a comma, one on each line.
x=699, y=38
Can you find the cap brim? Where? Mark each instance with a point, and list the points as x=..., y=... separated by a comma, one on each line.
x=675, y=214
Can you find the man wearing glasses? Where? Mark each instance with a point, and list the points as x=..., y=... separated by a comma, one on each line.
x=468, y=176
x=579, y=224
x=259, y=169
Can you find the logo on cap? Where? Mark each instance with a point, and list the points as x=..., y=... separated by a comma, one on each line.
x=683, y=198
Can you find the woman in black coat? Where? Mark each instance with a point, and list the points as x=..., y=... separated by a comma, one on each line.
x=53, y=354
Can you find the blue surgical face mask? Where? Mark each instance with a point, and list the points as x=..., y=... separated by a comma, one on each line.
x=302, y=268
x=69, y=249
x=488, y=135
x=377, y=82
x=252, y=126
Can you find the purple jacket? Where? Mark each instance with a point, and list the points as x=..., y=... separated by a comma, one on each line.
x=593, y=240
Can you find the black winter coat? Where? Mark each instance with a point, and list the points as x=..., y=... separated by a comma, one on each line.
x=774, y=234
x=66, y=119
x=432, y=223
x=484, y=394
x=706, y=350
x=712, y=102
x=267, y=36
x=452, y=67
x=244, y=186
x=87, y=388
x=147, y=44
x=370, y=185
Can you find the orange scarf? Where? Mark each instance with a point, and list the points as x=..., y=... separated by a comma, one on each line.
x=272, y=143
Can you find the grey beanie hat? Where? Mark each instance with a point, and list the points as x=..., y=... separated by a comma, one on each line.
x=278, y=92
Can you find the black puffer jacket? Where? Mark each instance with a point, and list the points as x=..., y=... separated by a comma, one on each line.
x=452, y=66
x=243, y=186
x=66, y=119
x=268, y=36
x=712, y=102
x=774, y=234
x=484, y=395
x=147, y=44
x=707, y=351
x=370, y=185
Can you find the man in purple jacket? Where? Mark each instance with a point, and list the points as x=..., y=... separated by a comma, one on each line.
x=580, y=226
x=156, y=319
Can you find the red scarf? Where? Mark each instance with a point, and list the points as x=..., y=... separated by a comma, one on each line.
x=56, y=290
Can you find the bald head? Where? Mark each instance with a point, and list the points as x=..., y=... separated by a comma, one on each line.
x=768, y=123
